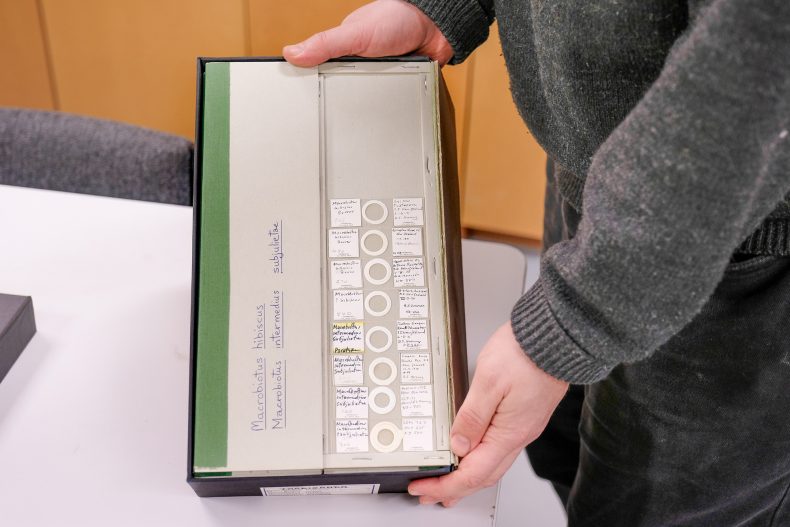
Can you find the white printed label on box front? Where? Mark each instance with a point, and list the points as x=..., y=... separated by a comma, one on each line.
x=351, y=402
x=413, y=303
x=343, y=243
x=351, y=435
x=316, y=490
x=415, y=367
x=348, y=305
x=407, y=211
x=345, y=213
x=348, y=369
x=412, y=335
x=408, y=272
x=346, y=273
x=416, y=400
x=407, y=241
x=418, y=435
x=348, y=337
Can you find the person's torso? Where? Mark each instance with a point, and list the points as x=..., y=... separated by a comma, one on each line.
x=577, y=67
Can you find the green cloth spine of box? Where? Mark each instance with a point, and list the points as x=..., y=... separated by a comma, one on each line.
x=211, y=405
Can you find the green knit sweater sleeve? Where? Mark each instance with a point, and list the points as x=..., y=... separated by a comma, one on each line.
x=693, y=169
x=463, y=22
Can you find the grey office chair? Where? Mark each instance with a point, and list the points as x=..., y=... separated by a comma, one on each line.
x=59, y=151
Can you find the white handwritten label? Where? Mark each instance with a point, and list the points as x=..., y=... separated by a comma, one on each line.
x=413, y=303
x=348, y=369
x=415, y=367
x=407, y=241
x=407, y=211
x=343, y=243
x=416, y=400
x=351, y=435
x=349, y=304
x=351, y=402
x=408, y=272
x=348, y=337
x=418, y=435
x=345, y=213
x=345, y=273
x=412, y=335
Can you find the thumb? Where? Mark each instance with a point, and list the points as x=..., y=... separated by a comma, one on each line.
x=475, y=415
x=347, y=39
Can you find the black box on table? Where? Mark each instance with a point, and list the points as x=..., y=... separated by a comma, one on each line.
x=17, y=327
x=328, y=345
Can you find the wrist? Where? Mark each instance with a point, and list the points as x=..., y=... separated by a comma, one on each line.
x=434, y=43
x=463, y=24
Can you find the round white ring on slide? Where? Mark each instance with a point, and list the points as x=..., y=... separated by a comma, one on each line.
x=397, y=437
x=384, y=212
x=374, y=294
x=383, y=263
x=380, y=235
x=390, y=400
x=378, y=349
x=379, y=380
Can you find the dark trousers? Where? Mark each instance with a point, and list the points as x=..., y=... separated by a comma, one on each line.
x=696, y=435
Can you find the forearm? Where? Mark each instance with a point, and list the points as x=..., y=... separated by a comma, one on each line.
x=688, y=175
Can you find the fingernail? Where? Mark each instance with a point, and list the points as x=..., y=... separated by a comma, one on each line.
x=460, y=445
x=414, y=492
x=295, y=50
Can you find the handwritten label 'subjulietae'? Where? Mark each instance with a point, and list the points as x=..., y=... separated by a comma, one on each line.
x=348, y=369
x=351, y=435
x=348, y=337
x=351, y=402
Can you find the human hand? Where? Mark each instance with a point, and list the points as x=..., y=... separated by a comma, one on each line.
x=508, y=405
x=381, y=28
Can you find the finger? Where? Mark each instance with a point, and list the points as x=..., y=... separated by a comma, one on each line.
x=497, y=475
x=347, y=39
x=475, y=414
x=480, y=469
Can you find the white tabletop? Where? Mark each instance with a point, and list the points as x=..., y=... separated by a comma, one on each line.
x=93, y=416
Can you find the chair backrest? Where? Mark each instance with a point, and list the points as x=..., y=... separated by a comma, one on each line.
x=59, y=151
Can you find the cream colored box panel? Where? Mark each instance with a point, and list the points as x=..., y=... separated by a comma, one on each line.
x=275, y=419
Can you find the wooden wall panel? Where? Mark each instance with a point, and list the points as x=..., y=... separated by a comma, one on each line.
x=24, y=78
x=503, y=166
x=134, y=61
x=274, y=23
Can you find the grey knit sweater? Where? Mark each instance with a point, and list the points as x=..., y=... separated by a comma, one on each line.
x=671, y=123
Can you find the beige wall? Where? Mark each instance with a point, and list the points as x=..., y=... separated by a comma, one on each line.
x=134, y=61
